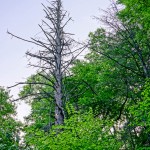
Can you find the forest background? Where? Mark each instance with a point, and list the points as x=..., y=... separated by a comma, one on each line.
x=99, y=102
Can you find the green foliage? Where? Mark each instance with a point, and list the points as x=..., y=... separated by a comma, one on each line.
x=81, y=131
x=136, y=15
x=135, y=18
x=136, y=11
x=38, y=96
x=98, y=84
x=9, y=127
x=141, y=116
x=141, y=110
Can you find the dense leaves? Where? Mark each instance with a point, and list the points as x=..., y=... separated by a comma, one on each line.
x=9, y=128
x=80, y=131
x=141, y=117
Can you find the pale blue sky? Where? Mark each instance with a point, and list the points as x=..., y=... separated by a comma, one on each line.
x=22, y=17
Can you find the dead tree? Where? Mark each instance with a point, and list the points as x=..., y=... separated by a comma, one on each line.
x=57, y=53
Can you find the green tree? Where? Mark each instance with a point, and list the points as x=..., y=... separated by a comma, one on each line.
x=41, y=117
x=10, y=128
x=125, y=43
x=136, y=18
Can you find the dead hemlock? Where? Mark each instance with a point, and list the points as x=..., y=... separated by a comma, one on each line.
x=58, y=51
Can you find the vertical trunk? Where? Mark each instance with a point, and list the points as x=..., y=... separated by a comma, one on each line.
x=59, y=115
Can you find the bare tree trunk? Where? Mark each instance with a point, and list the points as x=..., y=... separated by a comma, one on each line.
x=56, y=56
x=59, y=115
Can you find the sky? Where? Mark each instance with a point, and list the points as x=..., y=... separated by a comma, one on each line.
x=21, y=17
